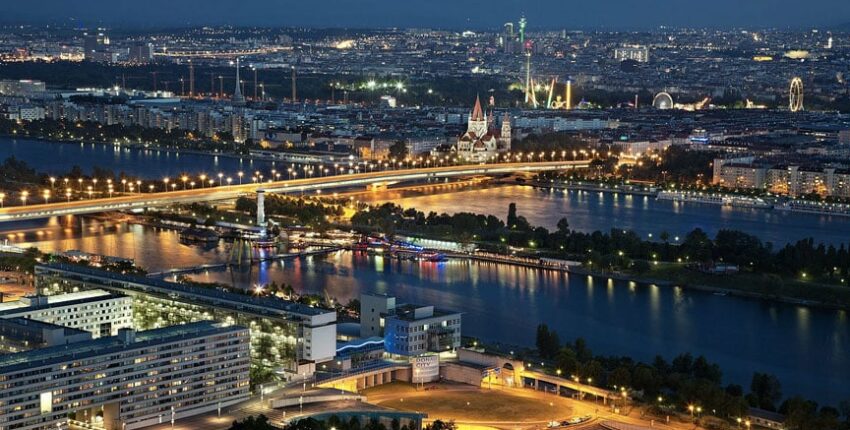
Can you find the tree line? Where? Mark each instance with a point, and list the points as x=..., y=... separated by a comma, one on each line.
x=684, y=381
x=617, y=249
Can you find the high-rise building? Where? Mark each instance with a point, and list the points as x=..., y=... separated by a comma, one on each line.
x=509, y=31
x=123, y=382
x=636, y=53
x=844, y=137
x=408, y=329
x=95, y=46
x=140, y=53
x=302, y=333
x=95, y=311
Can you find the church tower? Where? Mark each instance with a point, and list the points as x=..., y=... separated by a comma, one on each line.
x=477, y=121
x=506, y=132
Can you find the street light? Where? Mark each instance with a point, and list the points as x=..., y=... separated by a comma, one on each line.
x=24, y=195
x=2, y=196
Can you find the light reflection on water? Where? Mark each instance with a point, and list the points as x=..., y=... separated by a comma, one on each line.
x=507, y=302
x=589, y=211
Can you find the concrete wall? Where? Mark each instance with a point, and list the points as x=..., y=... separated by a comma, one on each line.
x=456, y=372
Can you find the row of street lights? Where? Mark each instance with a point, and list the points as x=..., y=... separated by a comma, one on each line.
x=293, y=172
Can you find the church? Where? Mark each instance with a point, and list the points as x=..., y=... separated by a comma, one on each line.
x=483, y=140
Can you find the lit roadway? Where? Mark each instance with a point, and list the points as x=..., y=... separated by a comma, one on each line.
x=227, y=192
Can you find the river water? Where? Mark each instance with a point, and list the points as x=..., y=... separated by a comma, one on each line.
x=807, y=348
x=56, y=158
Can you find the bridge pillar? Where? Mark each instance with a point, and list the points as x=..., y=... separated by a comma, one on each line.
x=261, y=208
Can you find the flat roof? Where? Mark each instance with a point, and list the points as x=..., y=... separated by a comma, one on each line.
x=59, y=300
x=210, y=296
x=407, y=312
x=105, y=345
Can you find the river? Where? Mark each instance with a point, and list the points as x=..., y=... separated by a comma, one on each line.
x=57, y=158
x=505, y=303
x=807, y=348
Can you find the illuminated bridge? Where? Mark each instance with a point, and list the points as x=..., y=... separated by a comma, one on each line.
x=147, y=200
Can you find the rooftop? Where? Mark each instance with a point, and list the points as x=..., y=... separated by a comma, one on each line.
x=105, y=345
x=211, y=296
x=69, y=299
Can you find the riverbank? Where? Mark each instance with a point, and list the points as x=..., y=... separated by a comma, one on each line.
x=132, y=145
x=745, y=285
x=727, y=199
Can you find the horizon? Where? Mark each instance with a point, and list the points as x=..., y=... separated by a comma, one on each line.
x=609, y=15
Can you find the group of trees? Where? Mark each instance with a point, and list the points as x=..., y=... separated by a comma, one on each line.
x=676, y=165
x=617, y=249
x=305, y=212
x=261, y=422
x=97, y=132
x=684, y=381
x=17, y=174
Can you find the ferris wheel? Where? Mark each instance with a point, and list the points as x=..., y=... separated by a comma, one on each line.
x=795, y=95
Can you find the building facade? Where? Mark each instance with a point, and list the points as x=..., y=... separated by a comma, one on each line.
x=283, y=333
x=128, y=381
x=95, y=311
x=483, y=139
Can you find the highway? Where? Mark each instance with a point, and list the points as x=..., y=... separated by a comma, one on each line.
x=227, y=192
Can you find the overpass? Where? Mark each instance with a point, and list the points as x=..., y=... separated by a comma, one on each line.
x=227, y=192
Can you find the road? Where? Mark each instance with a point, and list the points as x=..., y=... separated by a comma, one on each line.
x=227, y=192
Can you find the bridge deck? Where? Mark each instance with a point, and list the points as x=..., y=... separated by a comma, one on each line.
x=146, y=200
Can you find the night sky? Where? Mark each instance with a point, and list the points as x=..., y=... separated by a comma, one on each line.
x=455, y=14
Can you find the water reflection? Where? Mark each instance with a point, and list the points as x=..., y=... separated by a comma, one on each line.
x=602, y=211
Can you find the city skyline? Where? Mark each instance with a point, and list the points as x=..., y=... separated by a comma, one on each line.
x=547, y=14
x=375, y=215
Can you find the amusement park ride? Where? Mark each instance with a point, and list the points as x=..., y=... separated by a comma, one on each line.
x=532, y=87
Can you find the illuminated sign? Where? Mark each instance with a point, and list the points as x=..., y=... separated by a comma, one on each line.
x=425, y=368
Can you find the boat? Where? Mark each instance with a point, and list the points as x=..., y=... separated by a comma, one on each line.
x=433, y=257
x=202, y=235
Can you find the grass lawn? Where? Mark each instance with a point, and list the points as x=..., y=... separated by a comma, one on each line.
x=469, y=404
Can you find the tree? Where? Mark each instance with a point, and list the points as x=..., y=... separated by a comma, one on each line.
x=398, y=150
x=441, y=425
x=620, y=377
x=641, y=266
x=547, y=341
x=583, y=353
x=566, y=361
x=261, y=422
x=563, y=226
x=512, y=218
x=765, y=391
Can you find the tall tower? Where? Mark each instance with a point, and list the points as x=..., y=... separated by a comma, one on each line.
x=522, y=24
x=191, y=79
x=294, y=92
x=530, y=97
x=238, y=99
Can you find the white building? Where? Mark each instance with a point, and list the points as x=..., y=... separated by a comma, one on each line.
x=483, y=140
x=408, y=329
x=95, y=311
x=300, y=332
x=128, y=381
x=636, y=53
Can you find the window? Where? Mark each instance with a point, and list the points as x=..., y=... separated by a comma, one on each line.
x=46, y=402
